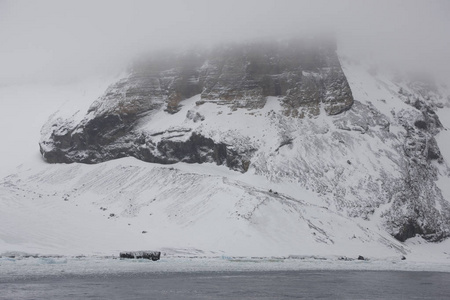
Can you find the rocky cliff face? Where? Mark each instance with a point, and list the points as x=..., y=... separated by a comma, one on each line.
x=418, y=187
x=283, y=111
x=305, y=75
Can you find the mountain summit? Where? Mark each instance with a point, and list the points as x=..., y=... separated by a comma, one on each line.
x=304, y=77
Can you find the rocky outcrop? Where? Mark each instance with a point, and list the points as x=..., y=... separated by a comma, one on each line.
x=304, y=74
x=153, y=255
x=423, y=209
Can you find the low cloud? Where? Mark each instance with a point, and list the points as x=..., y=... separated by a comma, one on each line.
x=62, y=41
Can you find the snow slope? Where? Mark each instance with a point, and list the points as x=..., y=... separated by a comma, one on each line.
x=124, y=204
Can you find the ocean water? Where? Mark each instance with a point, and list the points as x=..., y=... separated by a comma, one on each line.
x=233, y=285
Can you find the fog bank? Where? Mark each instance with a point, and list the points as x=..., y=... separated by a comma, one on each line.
x=61, y=41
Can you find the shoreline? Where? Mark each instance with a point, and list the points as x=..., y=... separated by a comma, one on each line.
x=43, y=266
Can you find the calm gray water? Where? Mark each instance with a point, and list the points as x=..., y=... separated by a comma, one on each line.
x=234, y=285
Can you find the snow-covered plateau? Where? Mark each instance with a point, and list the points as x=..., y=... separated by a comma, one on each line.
x=268, y=184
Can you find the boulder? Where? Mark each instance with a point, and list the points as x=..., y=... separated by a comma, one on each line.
x=153, y=255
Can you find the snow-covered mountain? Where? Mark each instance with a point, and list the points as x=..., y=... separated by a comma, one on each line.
x=273, y=148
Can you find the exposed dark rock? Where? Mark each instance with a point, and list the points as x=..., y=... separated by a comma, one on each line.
x=421, y=124
x=433, y=152
x=360, y=257
x=408, y=230
x=195, y=116
x=153, y=255
x=195, y=149
x=345, y=258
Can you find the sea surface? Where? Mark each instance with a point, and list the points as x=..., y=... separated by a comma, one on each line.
x=233, y=285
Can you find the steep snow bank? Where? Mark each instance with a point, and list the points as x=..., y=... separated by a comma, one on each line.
x=125, y=204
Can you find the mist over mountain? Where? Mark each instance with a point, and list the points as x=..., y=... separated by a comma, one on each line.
x=57, y=42
x=251, y=128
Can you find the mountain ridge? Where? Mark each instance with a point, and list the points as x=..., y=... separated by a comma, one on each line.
x=300, y=123
x=315, y=181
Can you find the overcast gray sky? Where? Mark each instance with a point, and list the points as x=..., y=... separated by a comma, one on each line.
x=60, y=41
